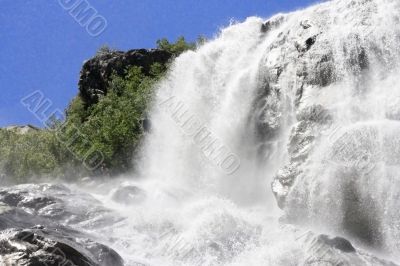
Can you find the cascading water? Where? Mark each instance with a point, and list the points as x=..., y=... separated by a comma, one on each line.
x=312, y=93
x=204, y=137
x=206, y=157
x=307, y=102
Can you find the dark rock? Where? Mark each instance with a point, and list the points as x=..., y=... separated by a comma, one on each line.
x=306, y=45
x=96, y=72
x=338, y=243
x=146, y=124
x=310, y=41
x=323, y=250
x=265, y=27
x=48, y=201
x=324, y=71
x=35, y=227
x=128, y=195
x=34, y=247
x=267, y=113
x=363, y=60
x=305, y=24
x=270, y=24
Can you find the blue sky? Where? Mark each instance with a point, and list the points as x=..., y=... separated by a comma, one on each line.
x=43, y=47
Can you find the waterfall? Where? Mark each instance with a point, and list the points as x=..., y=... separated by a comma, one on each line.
x=204, y=135
x=276, y=143
x=307, y=102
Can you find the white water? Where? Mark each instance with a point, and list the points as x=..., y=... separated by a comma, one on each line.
x=217, y=85
x=202, y=211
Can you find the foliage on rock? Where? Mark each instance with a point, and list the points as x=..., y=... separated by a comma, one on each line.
x=111, y=125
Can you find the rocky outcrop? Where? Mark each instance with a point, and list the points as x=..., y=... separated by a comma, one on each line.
x=96, y=72
x=36, y=227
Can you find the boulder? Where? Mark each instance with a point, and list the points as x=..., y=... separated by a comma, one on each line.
x=128, y=195
x=37, y=247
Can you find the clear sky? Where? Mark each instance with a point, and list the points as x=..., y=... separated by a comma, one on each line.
x=42, y=47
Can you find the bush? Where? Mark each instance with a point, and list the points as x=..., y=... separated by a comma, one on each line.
x=30, y=154
x=176, y=48
x=114, y=124
x=105, y=49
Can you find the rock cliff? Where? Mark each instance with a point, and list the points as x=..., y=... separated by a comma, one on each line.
x=96, y=72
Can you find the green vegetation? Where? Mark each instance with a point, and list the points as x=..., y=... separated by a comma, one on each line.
x=175, y=48
x=113, y=126
x=105, y=49
x=30, y=154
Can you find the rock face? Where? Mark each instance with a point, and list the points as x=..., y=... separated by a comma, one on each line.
x=330, y=95
x=36, y=227
x=97, y=71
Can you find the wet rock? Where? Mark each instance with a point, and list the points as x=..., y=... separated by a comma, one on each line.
x=303, y=46
x=56, y=202
x=270, y=24
x=282, y=183
x=37, y=247
x=310, y=41
x=128, y=195
x=326, y=250
x=305, y=24
x=35, y=227
x=146, y=125
x=265, y=27
x=314, y=113
x=267, y=114
x=323, y=72
x=338, y=243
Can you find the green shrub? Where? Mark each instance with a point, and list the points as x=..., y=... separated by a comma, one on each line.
x=30, y=154
x=176, y=48
x=114, y=124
